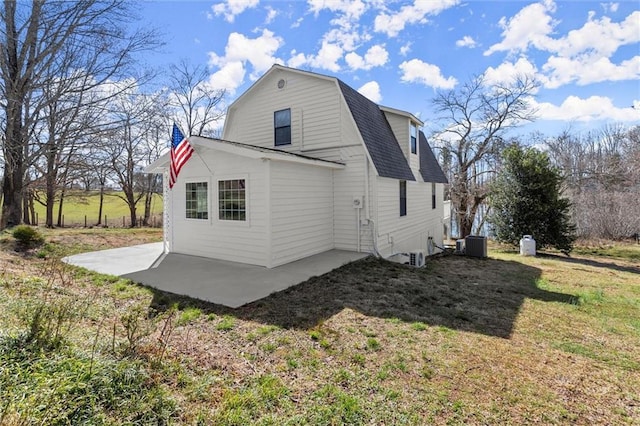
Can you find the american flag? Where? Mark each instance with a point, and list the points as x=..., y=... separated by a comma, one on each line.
x=181, y=151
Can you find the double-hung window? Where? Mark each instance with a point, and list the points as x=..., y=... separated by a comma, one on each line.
x=197, y=200
x=414, y=138
x=403, y=198
x=282, y=127
x=231, y=200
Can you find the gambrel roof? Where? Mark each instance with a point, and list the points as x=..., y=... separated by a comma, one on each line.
x=383, y=147
x=429, y=167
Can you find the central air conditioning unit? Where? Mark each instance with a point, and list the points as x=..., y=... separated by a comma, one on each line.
x=416, y=258
x=475, y=246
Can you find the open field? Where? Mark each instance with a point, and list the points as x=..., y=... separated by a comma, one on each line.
x=78, y=204
x=504, y=340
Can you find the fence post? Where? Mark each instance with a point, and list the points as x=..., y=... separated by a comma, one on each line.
x=63, y=221
x=105, y=221
x=85, y=220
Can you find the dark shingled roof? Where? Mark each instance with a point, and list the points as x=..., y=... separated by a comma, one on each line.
x=429, y=167
x=378, y=137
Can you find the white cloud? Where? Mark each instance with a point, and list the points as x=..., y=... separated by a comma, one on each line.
x=610, y=7
x=271, y=15
x=404, y=50
x=352, y=9
x=508, y=71
x=327, y=58
x=297, y=60
x=416, y=71
x=371, y=90
x=530, y=26
x=348, y=38
x=581, y=56
x=376, y=56
x=231, y=8
x=240, y=50
x=599, y=37
x=588, y=69
x=392, y=24
x=466, y=41
x=228, y=77
x=593, y=108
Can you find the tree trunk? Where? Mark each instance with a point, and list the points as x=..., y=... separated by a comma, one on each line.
x=12, y=195
x=60, y=224
x=147, y=208
x=132, y=211
x=50, y=199
x=100, y=204
x=25, y=210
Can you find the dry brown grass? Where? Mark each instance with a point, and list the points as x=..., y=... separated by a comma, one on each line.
x=504, y=340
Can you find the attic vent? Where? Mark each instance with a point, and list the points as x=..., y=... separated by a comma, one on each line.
x=281, y=83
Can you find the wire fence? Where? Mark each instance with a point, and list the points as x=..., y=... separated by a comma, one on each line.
x=154, y=221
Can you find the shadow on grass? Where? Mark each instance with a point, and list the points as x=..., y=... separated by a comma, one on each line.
x=478, y=295
x=609, y=263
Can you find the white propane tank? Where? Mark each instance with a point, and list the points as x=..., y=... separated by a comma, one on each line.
x=527, y=246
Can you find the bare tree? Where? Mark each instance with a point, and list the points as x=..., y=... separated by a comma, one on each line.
x=475, y=118
x=602, y=178
x=127, y=145
x=88, y=37
x=198, y=104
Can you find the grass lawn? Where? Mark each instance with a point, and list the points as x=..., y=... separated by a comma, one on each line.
x=504, y=340
x=78, y=204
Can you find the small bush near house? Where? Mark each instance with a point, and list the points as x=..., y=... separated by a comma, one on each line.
x=27, y=237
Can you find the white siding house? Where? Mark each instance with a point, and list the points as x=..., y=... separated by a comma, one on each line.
x=306, y=164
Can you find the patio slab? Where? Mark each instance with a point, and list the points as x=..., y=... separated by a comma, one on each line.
x=227, y=283
x=118, y=261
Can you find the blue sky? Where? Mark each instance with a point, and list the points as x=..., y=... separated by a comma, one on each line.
x=586, y=54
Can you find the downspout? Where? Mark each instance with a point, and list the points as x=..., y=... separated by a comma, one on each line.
x=367, y=211
x=169, y=214
x=366, y=188
x=358, y=227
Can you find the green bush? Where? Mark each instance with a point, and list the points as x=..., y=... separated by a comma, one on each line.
x=27, y=236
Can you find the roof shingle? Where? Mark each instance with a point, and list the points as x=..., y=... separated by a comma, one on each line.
x=429, y=167
x=378, y=137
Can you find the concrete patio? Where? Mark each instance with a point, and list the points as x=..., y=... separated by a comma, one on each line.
x=227, y=283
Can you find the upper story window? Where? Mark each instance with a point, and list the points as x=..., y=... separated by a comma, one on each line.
x=403, y=198
x=231, y=200
x=414, y=138
x=197, y=200
x=282, y=126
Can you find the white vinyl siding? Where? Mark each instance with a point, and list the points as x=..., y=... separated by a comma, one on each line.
x=301, y=211
x=401, y=127
x=315, y=112
x=238, y=241
x=403, y=234
x=348, y=184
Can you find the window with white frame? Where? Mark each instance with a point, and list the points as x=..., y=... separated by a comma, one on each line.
x=232, y=200
x=197, y=200
x=414, y=138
